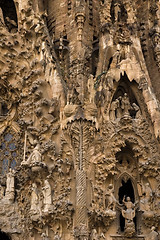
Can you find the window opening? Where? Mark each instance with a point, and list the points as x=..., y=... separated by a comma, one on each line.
x=8, y=153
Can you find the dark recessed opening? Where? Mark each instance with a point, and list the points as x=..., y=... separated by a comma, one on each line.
x=4, y=236
x=110, y=61
x=9, y=15
x=126, y=190
x=122, y=223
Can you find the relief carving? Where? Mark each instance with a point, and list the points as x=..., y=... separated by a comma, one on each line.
x=79, y=120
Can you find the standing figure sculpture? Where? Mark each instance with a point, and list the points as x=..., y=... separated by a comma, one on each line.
x=91, y=89
x=94, y=235
x=146, y=200
x=34, y=199
x=113, y=109
x=126, y=106
x=47, y=193
x=110, y=198
x=129, y=213
x=117, y=12
x=119, y=109
x=9, y=195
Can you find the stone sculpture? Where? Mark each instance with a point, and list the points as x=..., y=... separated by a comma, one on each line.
x=126, y=106
x=47, y=194
x=35, y=156
x=117, y=11
x=94, y=235
x=81, y=77
x=110, y=198
x=35, y=159
x=44, y=236
x=34, y=199
x=129, y=213
x=10, y=186
x=57, y=237
x=102, y=236
x=137, y=110
x=91, y=89
x=153, y=235
x=113, y=108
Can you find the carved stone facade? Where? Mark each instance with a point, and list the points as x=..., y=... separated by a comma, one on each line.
x=79, y=119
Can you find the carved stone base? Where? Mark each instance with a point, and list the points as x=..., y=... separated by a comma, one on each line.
x=122, y=237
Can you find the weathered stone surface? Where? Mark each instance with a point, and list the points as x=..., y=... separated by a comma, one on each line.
x=79, y=119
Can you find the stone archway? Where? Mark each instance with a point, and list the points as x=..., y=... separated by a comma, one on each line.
x=9, y=15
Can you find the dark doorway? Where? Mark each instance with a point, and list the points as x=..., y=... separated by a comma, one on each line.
x=4, y=236
x=126, y=190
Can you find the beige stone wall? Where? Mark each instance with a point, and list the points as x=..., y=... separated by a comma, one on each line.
x=79, y=120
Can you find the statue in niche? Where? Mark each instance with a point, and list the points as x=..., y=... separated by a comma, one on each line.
x=119, y=109
x=10, y=189
x=117, y=11
x=128, y=213
x=137, y=110
x=145, y=202
x=94, y=235
x=113, y=109
x=110, y=198
x=35, y=156
x=125, y=163
x=44, y=236
x=34, y=199
x=11, y=24
x=153, y=235
x=47, y=193
x=91, y=89
x=125, y=105
x=148, y=192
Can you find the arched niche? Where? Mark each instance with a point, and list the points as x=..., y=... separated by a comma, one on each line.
x=118, y=12
x=9, y=15
x=126, y=187
x=119, y=101
x=4, y=236
x=124, y=181
x=125, y=86
x=95, y=55
x=126, y=161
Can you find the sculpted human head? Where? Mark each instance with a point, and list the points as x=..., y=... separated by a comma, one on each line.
x=128, y=199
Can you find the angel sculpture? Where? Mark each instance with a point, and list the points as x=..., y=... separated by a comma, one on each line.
x=128, y=212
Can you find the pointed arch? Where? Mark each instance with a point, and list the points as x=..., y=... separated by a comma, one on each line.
x=127, y=5
x=138, y=144
x=9, y=15
x=122, y=183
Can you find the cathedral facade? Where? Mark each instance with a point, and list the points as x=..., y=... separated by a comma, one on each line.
x=79, y=120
